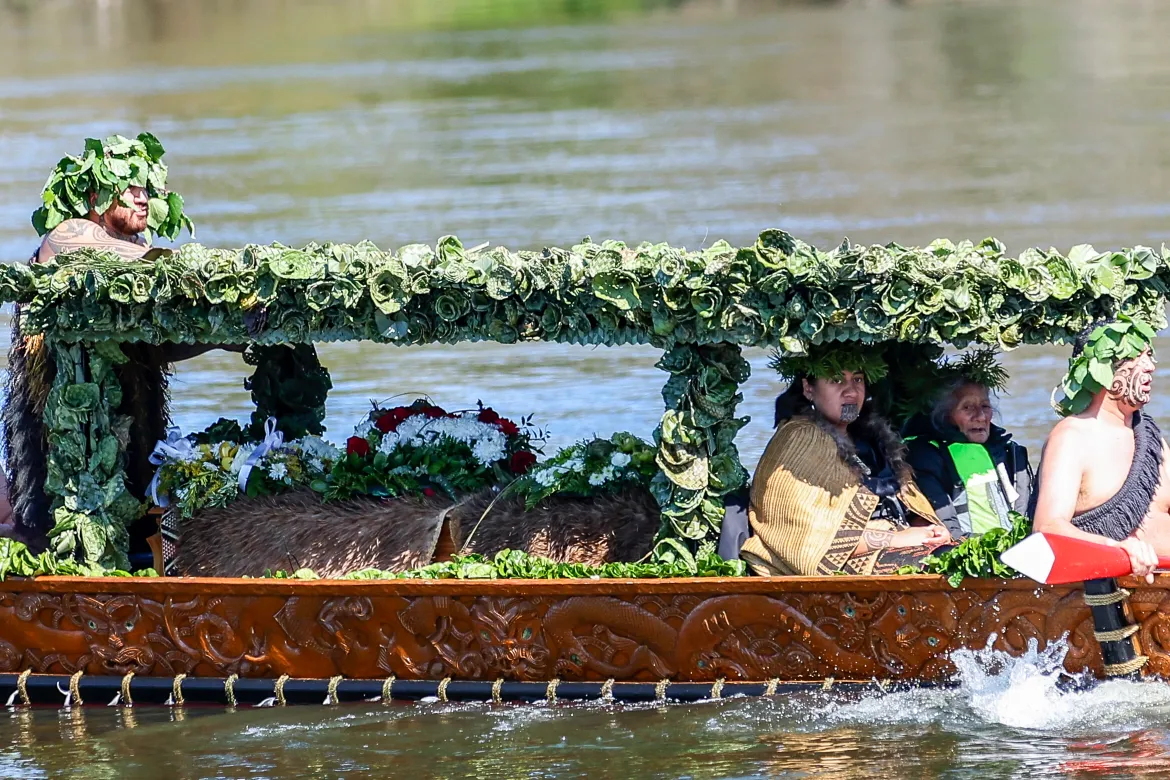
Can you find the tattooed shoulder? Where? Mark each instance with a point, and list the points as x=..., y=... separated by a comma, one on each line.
x=81, y=233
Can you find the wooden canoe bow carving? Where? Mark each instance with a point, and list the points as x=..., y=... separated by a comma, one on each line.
x=794, y=629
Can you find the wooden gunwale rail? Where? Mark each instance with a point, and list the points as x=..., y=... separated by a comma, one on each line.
x=243, y=586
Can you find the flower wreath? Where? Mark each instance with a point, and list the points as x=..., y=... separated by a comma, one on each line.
x=107, y=169
x=1091, y=370
x=831, y=361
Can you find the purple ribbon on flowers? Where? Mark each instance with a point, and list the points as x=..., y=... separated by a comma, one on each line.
x=273, y=439
x=174, y=447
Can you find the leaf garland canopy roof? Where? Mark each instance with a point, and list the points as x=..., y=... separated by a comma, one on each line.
x=778, y=292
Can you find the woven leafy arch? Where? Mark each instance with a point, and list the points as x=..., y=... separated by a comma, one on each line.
x=700, y=307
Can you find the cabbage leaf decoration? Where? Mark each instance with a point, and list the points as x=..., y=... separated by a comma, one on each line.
x=104, y=171
x=1091, y=370
x=701, y=308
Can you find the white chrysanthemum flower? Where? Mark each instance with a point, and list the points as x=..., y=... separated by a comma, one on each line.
x=315, y=447
x=487, y=451
x=575, y=464
x=363, y=428
x=487, y=443
x=620, y=459
x=316, y=464
x=187, y=453
x=389, y=442
x=278, y=471
x=601, y=477
x=545, y=477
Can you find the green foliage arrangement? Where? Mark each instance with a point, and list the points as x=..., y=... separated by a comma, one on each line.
x=516, y=564
x=16, y=560
x=697, y=457
x=699, y=307
x=980, y=366
x=92, y=506
x=590, y=468
x=978, y=555
x=778, y=292
x=1092, y=370
x=289, y=385
x=105, y=170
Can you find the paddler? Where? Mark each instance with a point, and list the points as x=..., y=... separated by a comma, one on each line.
x=1103, y=470
x=110, y=198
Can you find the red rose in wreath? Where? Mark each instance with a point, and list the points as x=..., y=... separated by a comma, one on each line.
x=489, y=416
x=521, y=462
x=508, y=427
x=356, y=445
x=387, y=422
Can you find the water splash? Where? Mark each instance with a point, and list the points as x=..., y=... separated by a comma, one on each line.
x=1030, y=691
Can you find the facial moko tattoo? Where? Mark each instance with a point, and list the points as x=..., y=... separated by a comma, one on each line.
x=1131, y=384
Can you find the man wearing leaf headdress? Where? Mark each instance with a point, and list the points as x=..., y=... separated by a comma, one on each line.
x=833, y=491
x=111, y=198
x=1103, y=470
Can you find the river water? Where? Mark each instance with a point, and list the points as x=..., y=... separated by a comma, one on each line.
x=536, y=122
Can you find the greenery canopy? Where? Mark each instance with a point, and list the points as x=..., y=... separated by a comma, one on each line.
x=699, y=307
x=779, y=292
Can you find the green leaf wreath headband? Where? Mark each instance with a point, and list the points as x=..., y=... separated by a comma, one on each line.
x=922, y=374
x=1091, y=369
x=979, y=367
x=106, y=170
x=831, y=361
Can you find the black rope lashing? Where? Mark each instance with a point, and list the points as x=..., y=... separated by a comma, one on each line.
x=1120, y=654
x=238, y=691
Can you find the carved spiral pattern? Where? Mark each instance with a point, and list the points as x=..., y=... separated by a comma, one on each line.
x=649, y=635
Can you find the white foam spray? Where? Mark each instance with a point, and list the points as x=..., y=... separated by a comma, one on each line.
x=1029, y=691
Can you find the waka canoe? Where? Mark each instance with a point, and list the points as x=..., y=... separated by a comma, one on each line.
x=697, y=634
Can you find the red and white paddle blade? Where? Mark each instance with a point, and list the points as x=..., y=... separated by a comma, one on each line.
x=1032, y=557
x=1057, y=560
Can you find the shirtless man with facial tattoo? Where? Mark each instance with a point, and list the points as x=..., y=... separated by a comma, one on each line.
x=1105, y=475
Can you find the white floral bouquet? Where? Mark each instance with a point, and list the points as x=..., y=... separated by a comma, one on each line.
x=192, y=475
x=424, y=449
x=591, y=467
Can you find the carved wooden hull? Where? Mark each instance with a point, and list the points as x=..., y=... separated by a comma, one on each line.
x=699, y=630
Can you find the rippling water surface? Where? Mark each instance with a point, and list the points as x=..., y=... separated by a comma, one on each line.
x=533, y=123
x=1006, y=719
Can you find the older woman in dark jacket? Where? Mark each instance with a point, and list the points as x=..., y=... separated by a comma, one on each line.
x=968, y=467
